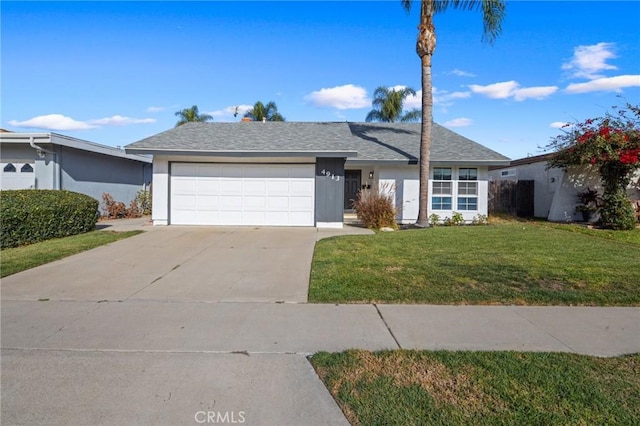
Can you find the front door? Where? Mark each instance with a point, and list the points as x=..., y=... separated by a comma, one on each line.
x=352, y=181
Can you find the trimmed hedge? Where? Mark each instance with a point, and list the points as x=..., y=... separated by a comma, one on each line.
x=33, y=215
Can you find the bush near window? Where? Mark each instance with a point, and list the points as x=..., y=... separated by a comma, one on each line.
x=374, y=208
x=32, y=215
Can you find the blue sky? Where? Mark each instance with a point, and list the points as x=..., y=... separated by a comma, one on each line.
x=116, y=72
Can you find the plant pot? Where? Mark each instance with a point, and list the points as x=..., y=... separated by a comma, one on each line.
x=586, y=215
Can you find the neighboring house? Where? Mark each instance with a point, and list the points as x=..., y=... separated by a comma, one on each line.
x=556, y=190
x=307, y=174
x=53, y=161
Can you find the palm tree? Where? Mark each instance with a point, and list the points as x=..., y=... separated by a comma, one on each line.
x=260, y=112
x=192, y=114
x=387, y=105
x=493, y=12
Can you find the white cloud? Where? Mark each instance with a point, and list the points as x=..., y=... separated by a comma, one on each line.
x=461, y=73
x=444, y=98
x=62, y=122
x=348, y=96
x=458, y=122
x=558, y=124
x=413, y=101
x=512, y=89
x=155, y=109
x=539, y=92
x=605, y=84
x=588, y=61
x=53, y=122
x=230, y=110
x=118, y=121
x=502, y=90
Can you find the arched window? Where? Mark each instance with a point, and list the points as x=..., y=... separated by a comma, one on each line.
x=27, y=168
x=10, y=168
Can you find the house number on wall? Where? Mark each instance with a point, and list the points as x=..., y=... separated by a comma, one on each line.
x=330, y=174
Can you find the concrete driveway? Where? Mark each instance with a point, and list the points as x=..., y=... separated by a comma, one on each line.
x=204, y=264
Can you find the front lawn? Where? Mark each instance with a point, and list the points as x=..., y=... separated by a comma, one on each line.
x=455, y=388
x=506, y=263
x=26, y=257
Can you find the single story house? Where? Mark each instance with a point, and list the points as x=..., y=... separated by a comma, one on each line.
x=53, y=161
x=556, y=189
x=307, y=174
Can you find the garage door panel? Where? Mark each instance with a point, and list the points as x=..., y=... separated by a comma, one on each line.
x=182, y=170
x=227, y=171
x=208, y=186
x=185, y=202
x=278, y=187
x=230, y=186
x=231, y=203
x=255, y=203
x=208, y=170
x=183, y=186
x=301, y=187
x=278, y=204
x=304, y=172
x=255, y=187
x=301, y=204
x=300, y=218
x=254, y=172
x=242, y=194
x=208, y=203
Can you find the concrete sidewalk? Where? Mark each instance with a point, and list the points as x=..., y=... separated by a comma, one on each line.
x=292, y=328
x=162, y=363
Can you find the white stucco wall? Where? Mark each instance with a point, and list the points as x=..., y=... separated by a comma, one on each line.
x=546, y=183
x=160, y=191
x=406, y=182
x=576, y=179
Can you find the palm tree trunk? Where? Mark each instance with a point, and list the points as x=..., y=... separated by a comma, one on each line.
x=425, y=47
x=425, y=140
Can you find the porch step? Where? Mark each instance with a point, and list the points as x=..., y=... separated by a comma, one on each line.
x=351, y=219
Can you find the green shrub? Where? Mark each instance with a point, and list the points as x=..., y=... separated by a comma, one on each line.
x=33, y=215
x=143, y=199
x=617, y=211
x=374, y=208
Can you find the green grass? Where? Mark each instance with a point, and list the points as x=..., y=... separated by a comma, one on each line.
x=19, y=259
x=506, y=263
x=488, y=388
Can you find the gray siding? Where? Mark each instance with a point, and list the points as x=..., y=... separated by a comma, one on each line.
x=94, y=174
x=330, y=189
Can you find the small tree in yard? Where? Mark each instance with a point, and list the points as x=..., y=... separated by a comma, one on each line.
x=612, y=145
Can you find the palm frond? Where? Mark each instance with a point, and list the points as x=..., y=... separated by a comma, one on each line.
x=412, y=116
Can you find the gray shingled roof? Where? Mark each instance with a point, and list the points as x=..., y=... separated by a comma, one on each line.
x=372, y=141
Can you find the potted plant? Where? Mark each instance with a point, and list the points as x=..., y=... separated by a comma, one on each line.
x=590, y=201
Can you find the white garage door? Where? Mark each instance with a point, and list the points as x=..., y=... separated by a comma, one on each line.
x=242, y=194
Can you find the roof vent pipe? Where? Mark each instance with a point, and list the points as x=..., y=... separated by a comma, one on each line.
x=264, y=119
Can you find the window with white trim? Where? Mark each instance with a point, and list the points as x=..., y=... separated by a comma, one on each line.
x=442, y=188
x=441, y=203
x=10, y=168
x=26, y=168
x=467, y=189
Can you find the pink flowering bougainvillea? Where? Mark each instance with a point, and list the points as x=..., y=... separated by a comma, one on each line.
x=612, y=144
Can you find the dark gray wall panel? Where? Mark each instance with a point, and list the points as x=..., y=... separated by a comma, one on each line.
x=330, y=189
